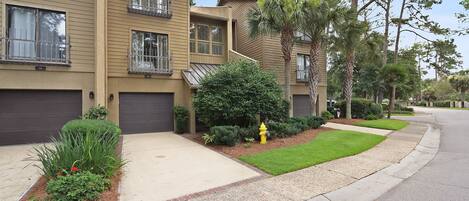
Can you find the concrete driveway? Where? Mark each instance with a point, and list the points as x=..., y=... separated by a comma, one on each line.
x=17, y=171
x=162, y=166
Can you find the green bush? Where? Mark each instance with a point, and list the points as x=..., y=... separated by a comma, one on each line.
x=294, y=126
x=225, y=135
x=77, y=187
x=249, y=132
x=90, y=149
x=237, y=93
x=327, y=115
x=421, y=103
x=94, y=127
x=371, y=117
x=98, y=112
x=360, y=108
x=442, y=103
x=181, y=116
x=407, y=109
x=402, y=112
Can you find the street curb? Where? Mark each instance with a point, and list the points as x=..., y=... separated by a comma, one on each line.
x=384, y=180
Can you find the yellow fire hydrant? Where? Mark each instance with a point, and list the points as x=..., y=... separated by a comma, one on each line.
x=263, y=133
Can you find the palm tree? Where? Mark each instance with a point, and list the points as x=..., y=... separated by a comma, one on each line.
x=273, y=17
x=347, y=37
x=393, y=75
x=316, y=17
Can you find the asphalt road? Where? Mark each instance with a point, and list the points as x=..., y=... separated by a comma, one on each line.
x=446, y=177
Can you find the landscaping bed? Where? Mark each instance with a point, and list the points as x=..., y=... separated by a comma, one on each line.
x=82, y=163
x=325, y=147
x=241, y=149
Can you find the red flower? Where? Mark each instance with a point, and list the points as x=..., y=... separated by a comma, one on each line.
x=74, y=169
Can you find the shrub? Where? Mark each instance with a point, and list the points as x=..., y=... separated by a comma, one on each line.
x=371, y=117
x=279, y=130
x=301, y=123
x=360, y=108
x=236, y=93
x=91, y=151
x=208, y=138
x=407, y=109
x=422, y=103
x=327, y=115
x=95, y=127
x=98, y=112
x=315, y=122
x=442, y=104
x=249, y=132
x=77, y=187
x=375, y=110
x=225, y=135
x=181, y=116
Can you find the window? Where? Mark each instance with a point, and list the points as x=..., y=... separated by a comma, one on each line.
x=192, y=37
x=203, y=40
x=302, y=63
x=150, y=7
x=36, y=35
x=302, y=37
x=206, y=39
x=149, y=53
x=217, y=40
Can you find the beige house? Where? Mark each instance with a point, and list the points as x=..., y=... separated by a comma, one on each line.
x=139, y=58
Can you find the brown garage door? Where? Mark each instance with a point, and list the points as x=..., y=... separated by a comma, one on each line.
x=30, y=116
x=301, y=105
x=145, y=112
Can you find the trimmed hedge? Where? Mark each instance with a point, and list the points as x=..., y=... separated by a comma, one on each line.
x=90, y=126
x=361, y=108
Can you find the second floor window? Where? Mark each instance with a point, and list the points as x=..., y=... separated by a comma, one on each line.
x=150, y=53
x=206, y=39
x=302, y=63
x=36, y=35
x=302, y=37
x=150, y=7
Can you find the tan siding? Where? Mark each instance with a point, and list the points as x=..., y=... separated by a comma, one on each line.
x=80, y=26
x=245, y=44
x=121, y=22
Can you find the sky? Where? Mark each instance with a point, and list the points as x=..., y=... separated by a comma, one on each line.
x=443, y=14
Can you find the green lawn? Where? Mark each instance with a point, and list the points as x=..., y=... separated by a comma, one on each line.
x=388, y=124
x=402, y=114
x=325, y=147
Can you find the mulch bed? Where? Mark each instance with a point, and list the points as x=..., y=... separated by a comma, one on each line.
x=346, y=121
x=255, y=147
x=38, y=190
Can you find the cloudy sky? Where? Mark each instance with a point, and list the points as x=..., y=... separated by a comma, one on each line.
x=444, y=14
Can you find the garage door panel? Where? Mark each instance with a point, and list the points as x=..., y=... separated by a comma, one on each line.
x=31, y=116
x=301, y=105
x=145, y=112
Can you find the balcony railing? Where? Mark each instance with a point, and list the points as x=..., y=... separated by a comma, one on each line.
x=302, y=75
x=35, y=51
x=159, y=8
x=145, y=64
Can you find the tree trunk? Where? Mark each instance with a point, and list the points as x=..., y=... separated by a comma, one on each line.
x=398, y=34
x=391, y=102
x=385, y=45
x=348, y=83
x=463, y=97
x=286, y=40
x=314, y=75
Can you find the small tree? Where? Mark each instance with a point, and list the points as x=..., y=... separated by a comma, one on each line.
x=461, y=84
x=393, y=75
x=237, y=93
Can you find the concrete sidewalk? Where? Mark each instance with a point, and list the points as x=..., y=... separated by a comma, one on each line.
x=316, y=181
x=162, y=166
